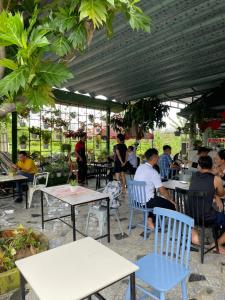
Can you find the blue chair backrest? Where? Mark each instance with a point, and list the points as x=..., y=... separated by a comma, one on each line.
x=136, y=193
x=175, y=242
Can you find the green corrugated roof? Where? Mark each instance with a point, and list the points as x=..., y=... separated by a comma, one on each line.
x=183, y=56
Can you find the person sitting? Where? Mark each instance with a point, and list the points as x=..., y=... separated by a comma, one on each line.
x=202, y=151
x=132, y=160
x=26, y=167
x=148, y=174
x=219, y=167
x=166, y=165
x=205, y=180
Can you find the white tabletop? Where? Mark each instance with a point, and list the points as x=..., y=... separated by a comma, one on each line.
x=7, y=178
x=172, y=184
x=74, y=271
x=73, y=195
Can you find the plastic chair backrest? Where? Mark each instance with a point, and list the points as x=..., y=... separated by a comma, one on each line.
x=181, y=197
x=176, y=241
x=39, y=177
x=136, y=193
x=199, y=205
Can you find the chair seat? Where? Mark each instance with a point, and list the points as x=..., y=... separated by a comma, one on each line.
x=160, y=272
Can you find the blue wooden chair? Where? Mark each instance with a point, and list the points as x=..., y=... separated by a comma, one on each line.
x=137, y=202
x=167, y=266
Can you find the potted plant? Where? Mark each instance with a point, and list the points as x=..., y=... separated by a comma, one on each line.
x=66, y=147
x=91, y=118
x=15, y=244
x=57, y=112
x=22, y=123
x=23, y=141
x=73, y=115
x=34, y=132
x=46, y=137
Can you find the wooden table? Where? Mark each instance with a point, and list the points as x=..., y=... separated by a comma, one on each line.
x=74, y=195
x=13, y=179
x=75, y=271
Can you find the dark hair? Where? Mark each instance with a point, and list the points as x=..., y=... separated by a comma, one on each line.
x=109, y=175
x=83, y=134
x=131, y=148
x=221, y=154
x=205, y=162
x=203, y=149
x=165, y=147
x=150, y=152
x=121, y=137
x=23, y=153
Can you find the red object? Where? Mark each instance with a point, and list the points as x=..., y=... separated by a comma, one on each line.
x=214, y=124
x=216, y=140
x=203, y=126
x=222, y=114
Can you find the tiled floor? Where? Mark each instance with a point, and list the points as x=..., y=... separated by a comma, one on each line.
x=206, y=281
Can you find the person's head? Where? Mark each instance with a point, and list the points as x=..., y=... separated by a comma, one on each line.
x=83, y=136
x=22, y=155
x=203, y=151
x=130, y=148
x=205, y=163
x=120, y=138
x=167, y=149
x=220, y=158
x=151, y=156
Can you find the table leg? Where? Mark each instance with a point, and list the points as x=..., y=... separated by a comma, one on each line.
x=108, y=219
x=132, y=287
x=26, y=195
x=13, y=187
x=42, y=210
x=22, y=287
x=73, y=221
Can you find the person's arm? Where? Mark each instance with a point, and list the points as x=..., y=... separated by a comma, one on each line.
x=163, y=191
x=126, y=158
x=218, y=184
x=119, y=156
x=28, y=167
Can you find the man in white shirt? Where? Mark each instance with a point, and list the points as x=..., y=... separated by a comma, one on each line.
x=145, y=172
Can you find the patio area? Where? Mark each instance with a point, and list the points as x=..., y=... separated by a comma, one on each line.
x=206, y=281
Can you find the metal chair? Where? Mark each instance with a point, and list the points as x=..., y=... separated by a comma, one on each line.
x=40, y=180
x=168, y=265
x=137, y=200
x=193, y=204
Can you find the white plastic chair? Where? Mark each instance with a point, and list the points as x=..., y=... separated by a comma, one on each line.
x=100, y=213
x=36, y=186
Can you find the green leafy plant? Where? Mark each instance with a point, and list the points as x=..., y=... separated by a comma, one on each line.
x=23, y=139
x=46, y=136
x=41, y=38
x=17, y=243
x=35, y=130
x=66, y=147
x=91, y=118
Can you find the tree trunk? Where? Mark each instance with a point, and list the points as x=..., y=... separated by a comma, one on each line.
x=2, y=49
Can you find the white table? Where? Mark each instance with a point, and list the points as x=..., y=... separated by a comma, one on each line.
x=74, y=195
x=75, y=271
x=13, y=179
x=173, y=184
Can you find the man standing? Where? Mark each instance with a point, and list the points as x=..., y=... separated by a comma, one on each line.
x=26, y=167
x=81, y=158
x=148, y=174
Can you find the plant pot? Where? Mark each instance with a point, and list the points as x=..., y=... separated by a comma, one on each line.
x=58, y=174
x=23, y=146
x=22, y=124
x=45, y=146
x=34, y=136
x=10, y=280
x=45, y=126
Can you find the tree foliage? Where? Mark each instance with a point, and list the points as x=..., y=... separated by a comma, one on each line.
x=41, y=36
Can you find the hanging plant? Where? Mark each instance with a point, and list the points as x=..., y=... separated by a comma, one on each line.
x=23, y=141
x=91, y=118
x=59, y=122
x=34, y=131
x=73, y=115
x=46, y=137
x=57, y=112
x=48, y=122
x=117, y=123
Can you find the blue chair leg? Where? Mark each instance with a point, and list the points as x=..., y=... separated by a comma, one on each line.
x=131, y=220
x=145, y=224
x=184, y=289
x=162, y=296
